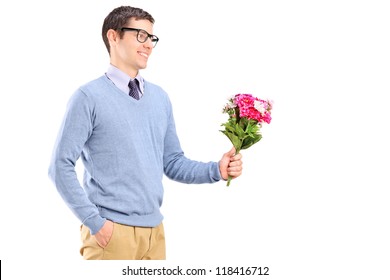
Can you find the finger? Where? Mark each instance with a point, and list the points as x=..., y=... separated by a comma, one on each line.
x=234, y=174
x=235, y=168
x=235, y=163
x=236, y=157
x=232, y=152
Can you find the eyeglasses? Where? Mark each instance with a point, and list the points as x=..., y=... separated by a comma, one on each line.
x=142, y=35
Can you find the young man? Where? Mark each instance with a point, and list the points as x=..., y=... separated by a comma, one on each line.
x=123, y=128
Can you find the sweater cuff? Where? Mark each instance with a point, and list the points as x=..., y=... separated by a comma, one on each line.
x=216, y=173
x=94, y=223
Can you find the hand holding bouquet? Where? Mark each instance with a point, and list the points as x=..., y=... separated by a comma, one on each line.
x=246, y=116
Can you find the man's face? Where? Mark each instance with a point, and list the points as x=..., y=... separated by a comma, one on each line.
x=127, y=53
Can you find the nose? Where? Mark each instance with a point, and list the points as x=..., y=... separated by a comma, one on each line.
x=149, y=43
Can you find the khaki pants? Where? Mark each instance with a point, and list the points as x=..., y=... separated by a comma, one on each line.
x=126, y=243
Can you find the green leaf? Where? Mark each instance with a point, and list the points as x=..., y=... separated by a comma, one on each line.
x=243, y=133
x=233, y=138
x=239, y=131
x=248, y=142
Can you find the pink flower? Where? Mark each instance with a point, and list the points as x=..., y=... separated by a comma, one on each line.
x=253, y=108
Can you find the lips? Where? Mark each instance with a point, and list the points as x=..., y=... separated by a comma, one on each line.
x=143, y=54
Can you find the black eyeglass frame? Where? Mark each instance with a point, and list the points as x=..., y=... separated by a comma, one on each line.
x=152, y=37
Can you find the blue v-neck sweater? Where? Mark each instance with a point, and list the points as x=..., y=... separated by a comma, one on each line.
x=126, y=146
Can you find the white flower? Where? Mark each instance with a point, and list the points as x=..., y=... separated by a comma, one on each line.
x=259, y=106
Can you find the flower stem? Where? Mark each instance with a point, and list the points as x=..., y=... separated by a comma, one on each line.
x=228, y=181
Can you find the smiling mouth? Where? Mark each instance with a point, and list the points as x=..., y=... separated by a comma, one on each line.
x=143, y=54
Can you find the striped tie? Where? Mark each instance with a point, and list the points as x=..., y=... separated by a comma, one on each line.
x=133, y=85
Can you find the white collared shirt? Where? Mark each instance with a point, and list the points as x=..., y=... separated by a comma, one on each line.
x=121, y=80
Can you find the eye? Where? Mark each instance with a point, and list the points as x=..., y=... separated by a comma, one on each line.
x=143, y=35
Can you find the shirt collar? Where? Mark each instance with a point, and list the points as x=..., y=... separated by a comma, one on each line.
x=121, y=79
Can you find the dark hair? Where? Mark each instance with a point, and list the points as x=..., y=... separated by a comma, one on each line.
x=119, y=17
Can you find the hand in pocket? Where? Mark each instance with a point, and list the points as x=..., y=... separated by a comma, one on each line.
x=104, y=235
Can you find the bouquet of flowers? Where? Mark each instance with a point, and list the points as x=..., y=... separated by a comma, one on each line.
x=246, y=116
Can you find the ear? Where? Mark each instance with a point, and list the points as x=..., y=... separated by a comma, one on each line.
x=112, y=37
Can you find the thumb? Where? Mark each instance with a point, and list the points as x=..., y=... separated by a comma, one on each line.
x=232, y=152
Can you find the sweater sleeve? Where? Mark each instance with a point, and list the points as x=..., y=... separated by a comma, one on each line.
x=75, y=131
x=179, y=168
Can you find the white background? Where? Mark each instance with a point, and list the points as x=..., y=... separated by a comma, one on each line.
x=313, y=200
